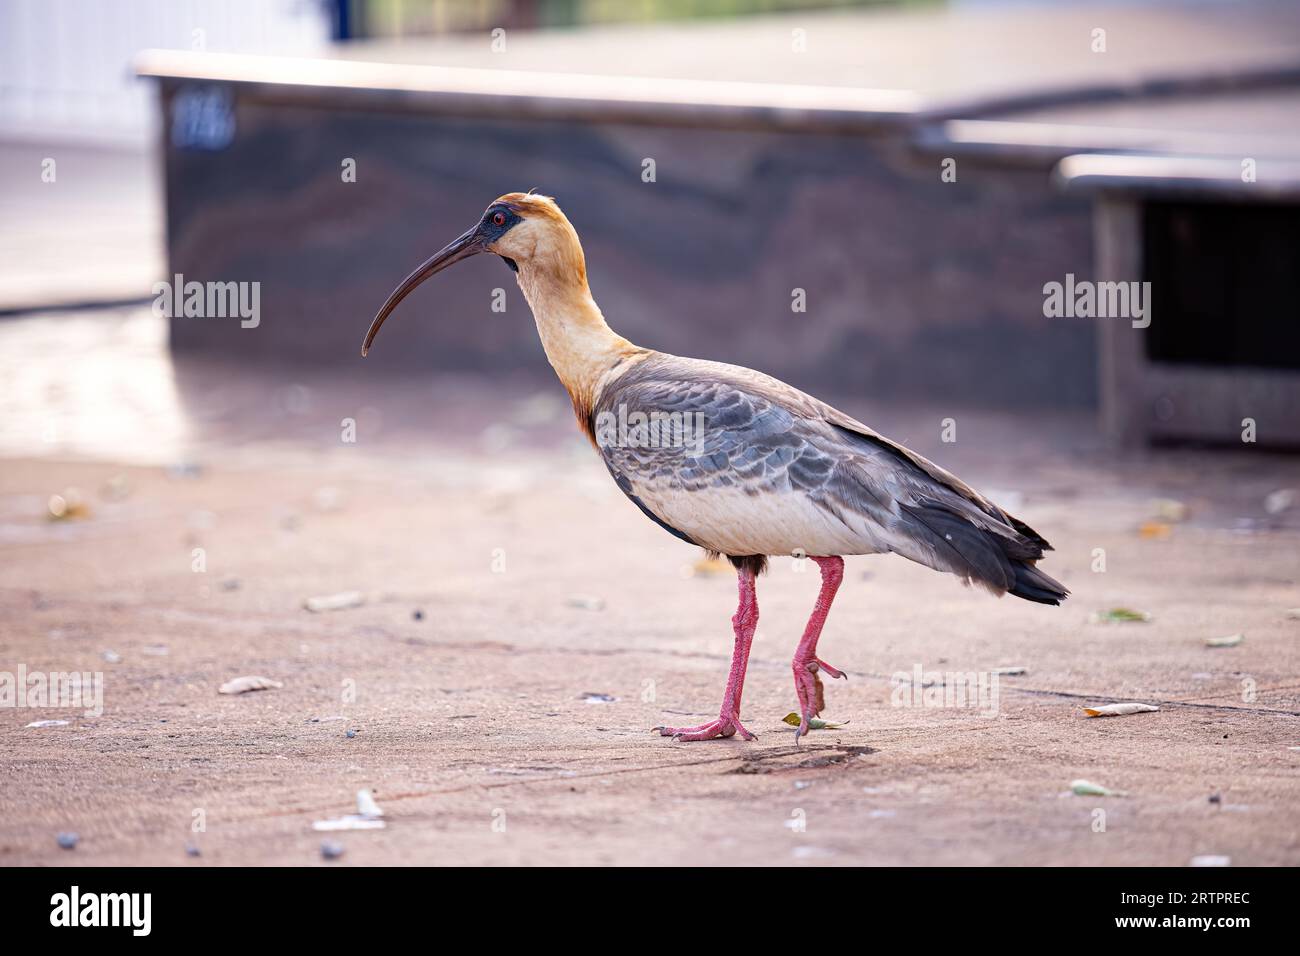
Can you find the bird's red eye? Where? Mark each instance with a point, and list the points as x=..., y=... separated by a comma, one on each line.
x=499, y=218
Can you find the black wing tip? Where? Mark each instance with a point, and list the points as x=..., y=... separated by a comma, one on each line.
x=1033, y=585
x=1038, y=598
x=1038, y=540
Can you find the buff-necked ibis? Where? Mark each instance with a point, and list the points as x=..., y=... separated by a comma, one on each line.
x=769, y=470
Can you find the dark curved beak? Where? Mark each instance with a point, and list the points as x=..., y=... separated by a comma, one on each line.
x=471, y=243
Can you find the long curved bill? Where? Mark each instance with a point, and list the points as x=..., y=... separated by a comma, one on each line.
x=462, y=248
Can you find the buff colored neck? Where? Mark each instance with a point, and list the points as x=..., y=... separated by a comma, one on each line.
x=580, y=346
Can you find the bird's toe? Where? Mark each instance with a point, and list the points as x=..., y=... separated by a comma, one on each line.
x=833, y=672
x=721, y=728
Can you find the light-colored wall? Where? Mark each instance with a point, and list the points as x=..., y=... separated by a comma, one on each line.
x=65, y=65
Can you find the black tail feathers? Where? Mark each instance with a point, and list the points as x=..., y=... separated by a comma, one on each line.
x=1033, y=585
x=1003, y=563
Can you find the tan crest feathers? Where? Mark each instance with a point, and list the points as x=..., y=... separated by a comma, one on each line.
x=533, y=204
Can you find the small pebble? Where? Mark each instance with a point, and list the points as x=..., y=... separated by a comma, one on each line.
x=331, y=850
x=417, y=615
x=1216, y=798
x=351, y=734
x=192, y=850
x=69, y=841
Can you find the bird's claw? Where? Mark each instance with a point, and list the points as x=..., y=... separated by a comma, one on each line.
x=808, y=684
x=833, y=672
x=803, y=727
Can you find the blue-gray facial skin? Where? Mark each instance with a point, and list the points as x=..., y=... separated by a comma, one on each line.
x=490, y=229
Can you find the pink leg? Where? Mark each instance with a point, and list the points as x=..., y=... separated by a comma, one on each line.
x=806, y=663
x=744, y=623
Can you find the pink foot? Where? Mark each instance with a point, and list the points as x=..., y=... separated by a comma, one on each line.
x=722, y=727
x=808, y=685
x=809, y=688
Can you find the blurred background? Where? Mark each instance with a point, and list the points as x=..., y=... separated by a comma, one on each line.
x=868, y=200
x=919, y=170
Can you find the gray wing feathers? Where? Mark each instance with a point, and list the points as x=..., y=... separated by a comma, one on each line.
x=729, y=437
